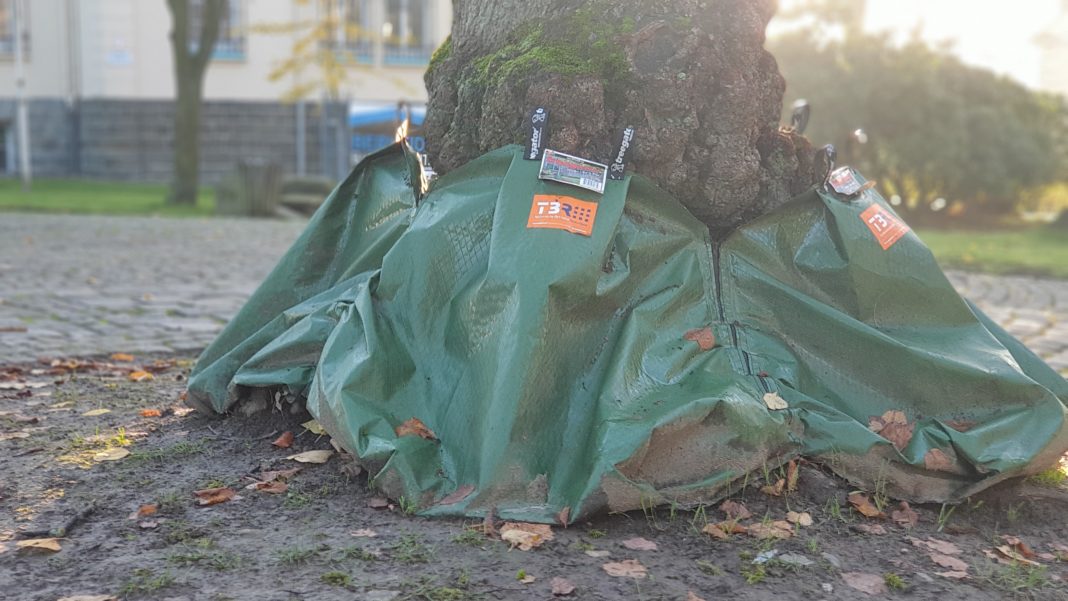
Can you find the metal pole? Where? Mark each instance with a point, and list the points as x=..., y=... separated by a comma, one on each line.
x=21, y=114
x=302, y=160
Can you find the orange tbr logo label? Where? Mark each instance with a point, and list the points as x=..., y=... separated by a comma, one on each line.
x=562, y=213
x=887, y=228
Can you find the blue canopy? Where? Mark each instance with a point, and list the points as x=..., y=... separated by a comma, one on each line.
x=363, y=115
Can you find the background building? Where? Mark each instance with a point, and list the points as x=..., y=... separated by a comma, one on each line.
x=100, y=79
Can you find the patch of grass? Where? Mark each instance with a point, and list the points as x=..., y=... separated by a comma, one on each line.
x=425, y=589
x=356, y=552
x=470, y=537
x=594, y=533
x=164, y=454
x=179, y=531
x=708, y=568
x=336, y=579
x=1052, y=478
x=95, y=197
x=145, y=581
x=171, y=502
x=407, y=506
x=410, y=549
x=813, y=545
x=893, y=581
x=754, y=574
x=1018, y=579
x=944, y=514
x=296, y=555
x=217, y=560
x=296, y=499
x=1034, y=251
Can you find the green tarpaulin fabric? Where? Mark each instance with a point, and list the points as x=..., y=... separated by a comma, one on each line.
x=642, y=364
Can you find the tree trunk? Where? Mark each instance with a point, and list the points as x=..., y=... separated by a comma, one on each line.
x=691, y=76
x=190, y=64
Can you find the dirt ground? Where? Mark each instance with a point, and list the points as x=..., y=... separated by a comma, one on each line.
x=65, y=474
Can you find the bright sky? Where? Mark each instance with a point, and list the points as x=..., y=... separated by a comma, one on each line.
x=995, y=34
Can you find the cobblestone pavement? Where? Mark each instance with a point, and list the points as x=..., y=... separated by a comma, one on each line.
x=77, y=285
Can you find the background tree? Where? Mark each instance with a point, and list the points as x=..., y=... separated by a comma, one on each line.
x=191, y=57
x=691, y=75
x=935, y=127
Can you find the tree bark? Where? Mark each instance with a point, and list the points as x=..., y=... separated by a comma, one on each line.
x=189, y=68
x=691, y=76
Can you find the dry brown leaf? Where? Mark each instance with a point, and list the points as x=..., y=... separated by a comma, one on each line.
x=628, y=568
x=284, y=441
x=778, y=529
x=141, y=376
x=524, y=535
x=213, y=496
x=874, y=529
x=862, y=503
x=50, y=545
x=414, y=427
x=775, y=402
x=938, y=546
x=791, y=475
x=735, y=510
x=691, y=596
x=112, y=454
x=1011, y=553
x=147, y=509
x=320, y=456
x=898, y=434
x=378, y=503
x=953, y=575
x=776, y=489
x=96, y=412
x=1019, y=546
x=274, y=487
x=803, y=518
x=639, y=544
x=457, y=495
x=364, y=533
x=715, y=531
x=905, y=516
x=561, y=587
x=872, y=584
x=936, y=460
x=704, y=338
x=564, y=516
x=948, y=561
x=151, y=413
x=122, y=357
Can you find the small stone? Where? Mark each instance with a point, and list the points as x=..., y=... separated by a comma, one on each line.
x=827, y=587
x=924, y=577
x=832, y=559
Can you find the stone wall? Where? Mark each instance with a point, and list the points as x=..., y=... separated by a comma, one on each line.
x=132, y=140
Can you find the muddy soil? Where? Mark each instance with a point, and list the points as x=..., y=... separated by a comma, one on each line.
x=314, y=540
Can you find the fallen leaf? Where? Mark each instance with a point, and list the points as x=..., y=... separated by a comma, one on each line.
x=936, y=460
x=872, y=584
x=279, y=474
x=803, y=518
x=691, y=596
x=595, y=553
x=38, y=544
x=628, y=568
x=112, y=454
x=274, y=487
x=141, y=376
x=313, y=426
x=715, y=531
x=948, y=561
x=312, y=456
x=524, y=535
x=905, y=516
x=457, y=495
x=778, y=529
x=284, y=441
x=639, y=544
x=735, y=510
x=364, y=533
x=775, y=402
x=704, y=338
x=791, y=476
x=378, y=503
x=898, y=434
x=122, y=357
x=953, y=575
x=96, y=412
x=938, y=546
x=561, y=587
x=213, y=496
x=863, y=504
x=151, y=413
x=874, y=529
x=1018, y=545
x=414, y=427
x=564, y=516
x=527, y=579
x=489, y=523
x=776, y=489
x=147, y=510
x=960, y=425
x=1014, y=555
